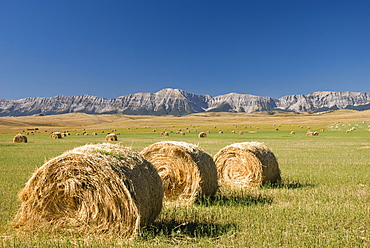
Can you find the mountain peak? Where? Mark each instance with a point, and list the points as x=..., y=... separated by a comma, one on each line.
x=168, y=91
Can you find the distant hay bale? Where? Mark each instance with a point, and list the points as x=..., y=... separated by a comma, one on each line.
x=246, y=164
x=187, y=171
x=56, y=135
x=164, y=134
x=309, y=133
x=111, y=137
x=202, y=135
x=292, y=132
x=20, y=138
x=104, y=188
x=94, y=134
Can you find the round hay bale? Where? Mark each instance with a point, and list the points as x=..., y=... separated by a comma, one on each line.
x=187, y=171
x=246, y=164
x=104, y=188
x=202, y=135
x=111, y=137
x=20, y=138
x=309, y=133
x=56, y=135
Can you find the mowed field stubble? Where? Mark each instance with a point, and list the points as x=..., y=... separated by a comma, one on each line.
x=322, y=200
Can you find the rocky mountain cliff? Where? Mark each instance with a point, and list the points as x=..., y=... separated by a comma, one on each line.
x=178, y=102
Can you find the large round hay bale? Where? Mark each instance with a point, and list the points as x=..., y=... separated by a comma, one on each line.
x=111, y=137
x=56, y=135
x=187, y=171
x=20, y=138
x=246, y=164
x=103, y=188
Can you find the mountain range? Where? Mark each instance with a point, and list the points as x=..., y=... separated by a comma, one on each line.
x=178, y=102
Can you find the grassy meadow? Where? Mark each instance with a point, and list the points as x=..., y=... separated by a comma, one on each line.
x=322, y=201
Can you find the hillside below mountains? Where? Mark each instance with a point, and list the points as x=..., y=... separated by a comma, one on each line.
x=178, y=102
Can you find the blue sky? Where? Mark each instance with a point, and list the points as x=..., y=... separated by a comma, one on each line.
x=110, y=48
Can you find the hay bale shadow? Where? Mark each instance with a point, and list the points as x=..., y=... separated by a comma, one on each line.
x=174, y=229
x=234, y=200
x=288, y=185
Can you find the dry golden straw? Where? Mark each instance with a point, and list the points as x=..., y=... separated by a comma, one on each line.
x=246, y=164
x=187, y=171
x=111, y=137
x=104, y=188
x=20, y=138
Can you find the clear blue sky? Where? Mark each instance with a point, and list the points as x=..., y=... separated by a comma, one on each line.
x=110, y=48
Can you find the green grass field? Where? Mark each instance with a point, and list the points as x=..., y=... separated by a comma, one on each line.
x=323, y=200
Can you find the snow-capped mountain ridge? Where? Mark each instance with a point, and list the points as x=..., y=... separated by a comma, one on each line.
x=178, y=102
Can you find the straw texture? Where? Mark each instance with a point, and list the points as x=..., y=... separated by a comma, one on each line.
x=246, y=164
x=187, y=171
x=101, y=188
